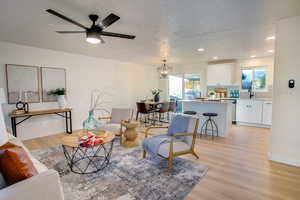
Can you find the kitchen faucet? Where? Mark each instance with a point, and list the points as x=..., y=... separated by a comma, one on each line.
x=251, y=93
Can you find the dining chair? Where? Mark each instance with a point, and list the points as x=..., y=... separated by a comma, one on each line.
x=144, y=110
x=179, y=140
x=163, y=109
x=172, y=108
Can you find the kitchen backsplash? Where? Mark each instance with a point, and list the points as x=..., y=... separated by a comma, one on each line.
x=267, y=94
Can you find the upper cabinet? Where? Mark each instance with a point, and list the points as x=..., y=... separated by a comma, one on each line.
x=221, y=74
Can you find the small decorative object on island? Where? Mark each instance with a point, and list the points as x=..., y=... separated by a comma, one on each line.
x=212, y=94
x=92, y=124
x=155, y=93
x=61, y=99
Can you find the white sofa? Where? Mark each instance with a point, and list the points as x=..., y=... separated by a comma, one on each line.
x=44, y=186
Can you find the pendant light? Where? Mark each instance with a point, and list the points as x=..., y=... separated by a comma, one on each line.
x=164, y=70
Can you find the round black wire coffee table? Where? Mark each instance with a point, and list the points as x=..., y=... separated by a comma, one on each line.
x=87, y=160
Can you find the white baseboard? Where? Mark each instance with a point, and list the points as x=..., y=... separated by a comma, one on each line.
x=287, y=161
x=255, y=125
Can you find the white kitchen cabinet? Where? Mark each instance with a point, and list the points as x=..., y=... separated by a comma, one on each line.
x=267, y=113
x=254, y=112
x=249, y=111
x=221, y=74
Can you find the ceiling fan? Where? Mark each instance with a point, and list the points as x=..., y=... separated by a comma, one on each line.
x=94, y=33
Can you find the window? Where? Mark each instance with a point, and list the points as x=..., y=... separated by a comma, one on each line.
x=175, y=87
x=184, y=86
x=191, y=86
x=254, y=78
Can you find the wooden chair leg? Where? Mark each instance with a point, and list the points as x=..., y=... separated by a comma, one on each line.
x=144, y=154
x=170, y=164
x=195, y=154
x=137, y=116
x=121, y=138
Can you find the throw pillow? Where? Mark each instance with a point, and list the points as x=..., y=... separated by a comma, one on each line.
x=15, y=164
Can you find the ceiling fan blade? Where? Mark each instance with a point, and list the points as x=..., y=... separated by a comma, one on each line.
x=117, y=35
x=109, y=20
x=65, y=18
x=67, y=32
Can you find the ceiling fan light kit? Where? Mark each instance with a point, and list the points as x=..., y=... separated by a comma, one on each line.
x=94, y=33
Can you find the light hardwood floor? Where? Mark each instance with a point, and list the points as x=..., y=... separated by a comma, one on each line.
x=238, y=167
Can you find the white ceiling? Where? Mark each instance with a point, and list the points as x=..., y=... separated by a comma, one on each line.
x=174, y=29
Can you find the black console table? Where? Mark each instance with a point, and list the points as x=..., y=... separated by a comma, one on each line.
x=65, y=113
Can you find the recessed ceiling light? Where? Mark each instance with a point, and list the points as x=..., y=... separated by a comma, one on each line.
x=271, y=37
x=271, y=51
x=216, y=58
x=253, y=56
x=201, y=49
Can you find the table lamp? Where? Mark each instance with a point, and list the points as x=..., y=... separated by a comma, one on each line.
x=3, y=131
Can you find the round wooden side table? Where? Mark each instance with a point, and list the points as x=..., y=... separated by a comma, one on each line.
x=130, y=134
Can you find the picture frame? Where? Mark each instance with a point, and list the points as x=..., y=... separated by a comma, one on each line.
x=23, y=83
x=51, y=79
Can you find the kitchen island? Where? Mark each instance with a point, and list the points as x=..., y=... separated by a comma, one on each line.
x=222, y=108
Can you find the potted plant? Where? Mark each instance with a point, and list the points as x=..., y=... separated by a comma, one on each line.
x=212, y=94
x=155, y=93
x=61, y=99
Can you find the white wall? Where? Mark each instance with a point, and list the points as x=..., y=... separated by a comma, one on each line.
x=285, y=138
x=125, y=82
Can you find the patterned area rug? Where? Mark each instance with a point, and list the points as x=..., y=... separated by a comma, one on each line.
x=127, y=177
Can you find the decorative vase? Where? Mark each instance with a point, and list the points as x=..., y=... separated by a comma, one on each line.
x=156, y=98
x=62, y=102
x=91, y=124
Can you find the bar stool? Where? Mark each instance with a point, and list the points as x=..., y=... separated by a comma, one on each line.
x=213, y=126
x=189, y=112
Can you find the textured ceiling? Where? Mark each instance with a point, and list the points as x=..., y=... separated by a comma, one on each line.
x=174, y=29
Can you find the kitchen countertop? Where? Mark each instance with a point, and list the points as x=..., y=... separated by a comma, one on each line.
x=216, y=101
x=224, y=100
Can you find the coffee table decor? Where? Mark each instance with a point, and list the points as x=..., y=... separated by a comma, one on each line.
x=88, y=153
x=128, y=176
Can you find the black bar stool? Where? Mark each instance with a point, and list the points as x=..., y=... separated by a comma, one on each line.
x=189, y=112
x=213, y=126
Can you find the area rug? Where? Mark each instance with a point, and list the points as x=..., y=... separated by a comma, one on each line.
x=127, y=177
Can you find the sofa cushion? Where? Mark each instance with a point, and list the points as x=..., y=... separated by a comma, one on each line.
x=37, y=164
x=15, y=163
x=120, y=114
x=178, y=146
x=3, y=183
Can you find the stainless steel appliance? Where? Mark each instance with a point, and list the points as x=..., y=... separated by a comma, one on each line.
x=233, y=101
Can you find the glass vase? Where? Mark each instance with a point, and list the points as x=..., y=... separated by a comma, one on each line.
x=91, y=124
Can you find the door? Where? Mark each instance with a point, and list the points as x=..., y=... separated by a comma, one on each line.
x=176, y=90
x=191, y=86
x=184, y=86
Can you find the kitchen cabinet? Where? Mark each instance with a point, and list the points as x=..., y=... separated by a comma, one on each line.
x=267, y=113
x=254, y=112
x=221, y=74
x=249, y=111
